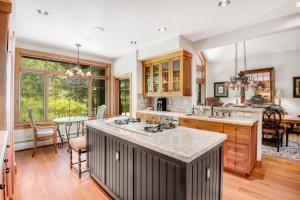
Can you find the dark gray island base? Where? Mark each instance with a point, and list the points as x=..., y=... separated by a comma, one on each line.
x=127, y=170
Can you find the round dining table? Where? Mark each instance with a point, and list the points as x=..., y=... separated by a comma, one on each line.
x=68, y=122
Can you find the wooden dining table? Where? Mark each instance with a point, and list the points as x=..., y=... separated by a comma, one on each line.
x=290, y=120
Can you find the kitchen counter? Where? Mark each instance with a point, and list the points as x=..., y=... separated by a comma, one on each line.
x=181, y=143
x=3, y=143
x=239, y=120
x=131, y=165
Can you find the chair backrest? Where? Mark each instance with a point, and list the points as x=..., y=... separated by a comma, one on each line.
x=213, y=101
x=229, y=105
x=101, y=111
x=278, y=107
x=271, y=118
x=31, y=120
x=249, y=106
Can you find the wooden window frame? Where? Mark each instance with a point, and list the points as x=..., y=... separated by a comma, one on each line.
x=115, y=97
x=20, y=52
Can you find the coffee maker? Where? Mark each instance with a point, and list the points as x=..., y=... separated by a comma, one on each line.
x=162, y=104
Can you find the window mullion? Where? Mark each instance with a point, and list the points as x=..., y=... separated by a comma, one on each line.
x=46, y=93
x=90, y=96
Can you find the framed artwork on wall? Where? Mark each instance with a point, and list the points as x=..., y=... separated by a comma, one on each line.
x=220, y=90
x=296, y=87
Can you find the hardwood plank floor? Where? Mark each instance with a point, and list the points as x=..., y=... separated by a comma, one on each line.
x=48, y=176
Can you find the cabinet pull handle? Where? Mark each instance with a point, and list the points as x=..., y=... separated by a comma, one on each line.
x=117, y=156
x=5, y=160
x=2, y=186
x=7, y=170
x=208, y=173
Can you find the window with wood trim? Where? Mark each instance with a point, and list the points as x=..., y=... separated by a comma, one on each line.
x=43, y=86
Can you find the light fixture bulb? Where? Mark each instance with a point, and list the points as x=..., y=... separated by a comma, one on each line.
x=162, y=29
x=224, y=3
x=133, y=42
x=43, y=12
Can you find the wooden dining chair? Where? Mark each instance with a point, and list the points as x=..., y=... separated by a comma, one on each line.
x=42, y=133
x=271, y=125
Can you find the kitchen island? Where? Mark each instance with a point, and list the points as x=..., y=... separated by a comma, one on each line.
x=180, y=163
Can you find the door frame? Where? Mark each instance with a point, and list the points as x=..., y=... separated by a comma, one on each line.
x=115, y=92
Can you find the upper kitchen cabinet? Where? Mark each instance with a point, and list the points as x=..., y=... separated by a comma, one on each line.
x=168, y=75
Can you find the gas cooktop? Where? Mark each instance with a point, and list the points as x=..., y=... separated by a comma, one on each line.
x=148, y=127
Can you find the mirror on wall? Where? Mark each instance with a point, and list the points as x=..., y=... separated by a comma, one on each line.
x=264, y=92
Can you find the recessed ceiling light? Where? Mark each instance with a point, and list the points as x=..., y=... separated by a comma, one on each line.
x=298, y=4
x=224, y=3
x=133, y=42
x=99, y=28
x=162, y=29
x=43, y=12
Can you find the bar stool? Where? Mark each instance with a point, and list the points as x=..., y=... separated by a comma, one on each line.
x=79, y=145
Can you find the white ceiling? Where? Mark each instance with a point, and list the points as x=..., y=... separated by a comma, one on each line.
x=272, y=44
x=72, y=21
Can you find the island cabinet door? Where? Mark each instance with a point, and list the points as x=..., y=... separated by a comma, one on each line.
x=96, y=154
x=155, y=177
x=119, y=165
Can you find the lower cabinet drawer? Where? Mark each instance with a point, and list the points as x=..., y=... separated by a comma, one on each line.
x=211, y=126
x=236, y=157
x=191, y=123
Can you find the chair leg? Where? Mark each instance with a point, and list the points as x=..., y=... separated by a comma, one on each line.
x=55, y=142
x=71, y=159
x=34, y=148
x=79, y=163
x=277, y=141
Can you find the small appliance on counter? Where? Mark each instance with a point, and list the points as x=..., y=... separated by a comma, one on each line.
x=162, y=104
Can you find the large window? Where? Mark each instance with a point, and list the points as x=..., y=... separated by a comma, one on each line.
x=44, y=87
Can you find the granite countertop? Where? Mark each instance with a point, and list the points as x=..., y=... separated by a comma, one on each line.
x=181, y=143
x=239, y=120
x=3, y=143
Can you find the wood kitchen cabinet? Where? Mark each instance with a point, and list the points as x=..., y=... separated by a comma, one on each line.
x=239, y=148
x=168, y=75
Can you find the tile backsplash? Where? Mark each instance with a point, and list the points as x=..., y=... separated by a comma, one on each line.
x=175, y=104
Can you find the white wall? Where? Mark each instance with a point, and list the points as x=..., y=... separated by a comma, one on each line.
x=286, y=65
x=128, y=64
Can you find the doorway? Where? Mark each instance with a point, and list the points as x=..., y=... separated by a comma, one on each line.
x=122, y=95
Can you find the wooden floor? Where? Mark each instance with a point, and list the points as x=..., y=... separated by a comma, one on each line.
x=48, y=176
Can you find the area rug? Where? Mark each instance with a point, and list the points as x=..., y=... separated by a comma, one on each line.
x=291, y=152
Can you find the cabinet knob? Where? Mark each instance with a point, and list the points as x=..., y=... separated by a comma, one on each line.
x=5, y=160
x=7, y=146
x=2, y=186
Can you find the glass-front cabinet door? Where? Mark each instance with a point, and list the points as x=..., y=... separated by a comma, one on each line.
x=176, y=74
x=165, y=76
x=156, y=77
x=147, y=79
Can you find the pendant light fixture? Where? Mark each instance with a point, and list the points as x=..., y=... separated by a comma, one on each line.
x=76, y=71
x=240, y=80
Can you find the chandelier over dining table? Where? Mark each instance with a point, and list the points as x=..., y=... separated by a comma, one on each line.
x=76, y=72
x=240, y=80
